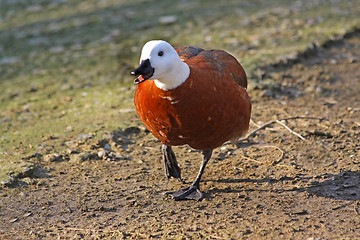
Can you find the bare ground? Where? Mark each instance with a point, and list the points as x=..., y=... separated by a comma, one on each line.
x=275, y=186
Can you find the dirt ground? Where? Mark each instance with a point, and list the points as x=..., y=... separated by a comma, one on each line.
x=274, y=186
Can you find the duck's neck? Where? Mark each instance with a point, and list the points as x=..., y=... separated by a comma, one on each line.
x=174, y=78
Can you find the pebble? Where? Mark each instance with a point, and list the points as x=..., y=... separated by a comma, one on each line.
x=83, y=137
x=102, y=153
x=333, y=61
x=107, y=146
x=27, y=214
x=167, y=19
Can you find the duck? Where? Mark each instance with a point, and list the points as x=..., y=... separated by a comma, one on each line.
x=190, y=96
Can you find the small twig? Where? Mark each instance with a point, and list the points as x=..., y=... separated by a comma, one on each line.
x=250, y=159
x=255, y=131
x=345, y=205
x=290, y=130
x=267, y=162
x=281, y=151
x=272, y=122
x=253, y=122
x=151, y=148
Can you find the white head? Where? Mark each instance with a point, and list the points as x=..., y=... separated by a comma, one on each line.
x=160, y=62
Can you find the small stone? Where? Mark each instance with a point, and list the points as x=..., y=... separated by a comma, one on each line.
x=101, y=153
x=107, y=146
x=83, y=137
x=14, y=220
x=333, y=61
x=27, y=214
x=167, y=19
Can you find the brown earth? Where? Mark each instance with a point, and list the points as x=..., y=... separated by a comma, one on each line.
x=274, y=186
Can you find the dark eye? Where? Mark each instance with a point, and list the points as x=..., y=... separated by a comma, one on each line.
x=160, y=53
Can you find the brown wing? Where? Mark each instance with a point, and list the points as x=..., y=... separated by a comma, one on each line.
x=221, y=61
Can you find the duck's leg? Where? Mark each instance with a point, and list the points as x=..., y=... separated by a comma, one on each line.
x=193, y=191
x=171, y=166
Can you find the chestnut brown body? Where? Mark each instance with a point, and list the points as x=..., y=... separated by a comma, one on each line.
x=208, y=109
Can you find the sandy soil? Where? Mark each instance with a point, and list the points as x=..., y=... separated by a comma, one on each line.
x=274, y=186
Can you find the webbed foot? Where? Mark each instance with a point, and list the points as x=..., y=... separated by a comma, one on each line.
x=192, y=192
x=189, y=193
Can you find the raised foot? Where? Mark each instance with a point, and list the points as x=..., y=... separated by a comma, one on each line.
x=189, y=193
